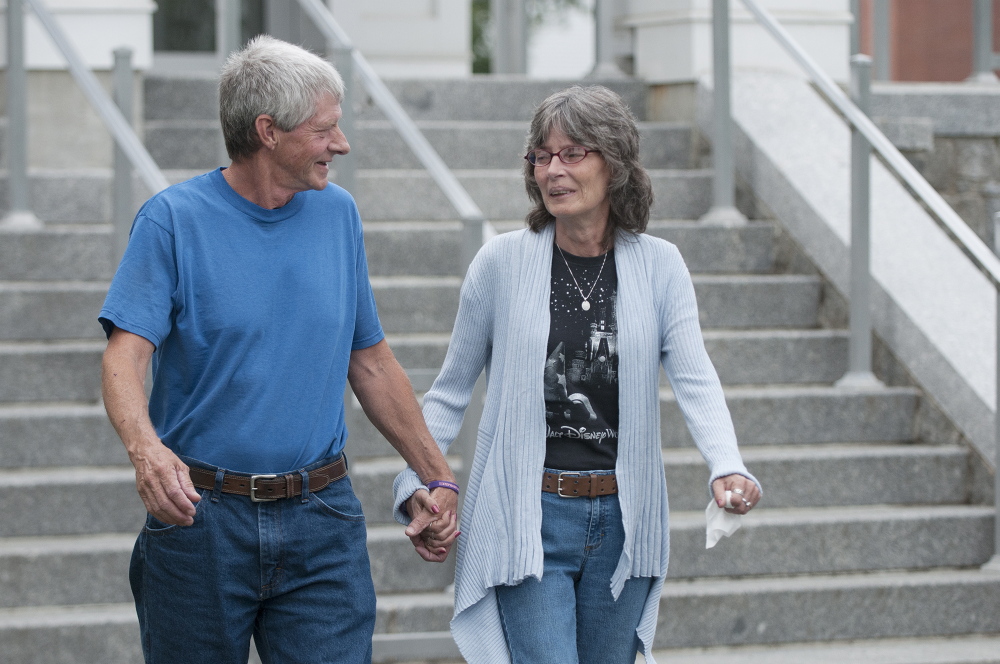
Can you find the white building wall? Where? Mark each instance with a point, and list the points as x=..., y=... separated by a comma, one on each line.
x=673, y=38
x=410, y=38
x=95, y=27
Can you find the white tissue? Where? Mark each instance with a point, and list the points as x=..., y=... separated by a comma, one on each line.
x=719, y=523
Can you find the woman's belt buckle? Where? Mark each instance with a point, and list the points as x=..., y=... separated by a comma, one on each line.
x=559, y=485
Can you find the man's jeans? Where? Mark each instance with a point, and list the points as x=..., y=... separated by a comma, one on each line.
x=570, y=616
x=292, y=572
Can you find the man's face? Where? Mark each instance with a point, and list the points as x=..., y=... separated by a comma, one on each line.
x=302, y=155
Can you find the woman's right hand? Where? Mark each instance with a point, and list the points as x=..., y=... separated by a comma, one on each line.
x=431, y=539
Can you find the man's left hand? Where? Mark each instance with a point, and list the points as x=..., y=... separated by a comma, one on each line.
x=434, y=527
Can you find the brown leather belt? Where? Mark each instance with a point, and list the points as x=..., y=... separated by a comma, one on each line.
x=263, y=488
x=579, y=485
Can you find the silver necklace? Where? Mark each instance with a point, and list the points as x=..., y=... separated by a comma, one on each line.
x=585, y=305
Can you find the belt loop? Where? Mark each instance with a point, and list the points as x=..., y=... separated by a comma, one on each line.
x=220, y=476
x=305, y=485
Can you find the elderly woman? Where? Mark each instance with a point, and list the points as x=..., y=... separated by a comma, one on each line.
x=565, y=540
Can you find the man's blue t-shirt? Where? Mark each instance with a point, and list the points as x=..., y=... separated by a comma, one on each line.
x=254, y=314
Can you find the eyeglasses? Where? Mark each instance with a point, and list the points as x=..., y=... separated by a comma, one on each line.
x=571, y=155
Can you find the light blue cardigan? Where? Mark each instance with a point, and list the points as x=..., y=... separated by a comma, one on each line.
x=502, y=326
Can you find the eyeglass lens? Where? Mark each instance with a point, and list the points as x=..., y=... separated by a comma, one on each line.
x=570, y=155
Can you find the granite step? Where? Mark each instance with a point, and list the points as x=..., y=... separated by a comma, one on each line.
x=439, y=648
x=382, y=194
x=720, y=612
x=498, y=144
x=762, y=415
x=429, y=304
x=839, y=539
x=50, y=371
x=60, y=501
x=50, y=502
x=832, y=475
x=67, y=570
x=51, y=310
x=197, y=143
x=82, y=569
x=83, y=252
x=488, y=97
x=57, y=253
x=106, y=633
x=57, y=434
x=711, y=612
x=402, y=194
x=194, y=96
x=974, y=649
x=741, y=357
x=432, y=248
x=68, y=195
x=780, y=415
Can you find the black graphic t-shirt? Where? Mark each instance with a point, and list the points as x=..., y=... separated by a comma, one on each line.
x=581, y=372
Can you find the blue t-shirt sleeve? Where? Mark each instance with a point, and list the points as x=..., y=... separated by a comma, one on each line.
x=140, y=299
x=367, y=328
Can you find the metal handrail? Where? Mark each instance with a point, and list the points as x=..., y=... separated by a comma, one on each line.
x=968, y=242
x=113, y=119
x=946, y=217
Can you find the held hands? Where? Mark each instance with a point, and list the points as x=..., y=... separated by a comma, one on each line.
x=745, y=493
x=164, y=485
x=435, y=523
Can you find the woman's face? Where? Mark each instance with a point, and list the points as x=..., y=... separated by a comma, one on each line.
x=575, y=192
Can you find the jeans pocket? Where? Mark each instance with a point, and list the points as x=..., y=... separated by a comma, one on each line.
x=156, y=528
x=338, y=500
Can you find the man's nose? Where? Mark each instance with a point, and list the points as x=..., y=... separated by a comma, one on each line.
x=339, y=144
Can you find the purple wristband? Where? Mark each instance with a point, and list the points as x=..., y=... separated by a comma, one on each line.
x=447, y=485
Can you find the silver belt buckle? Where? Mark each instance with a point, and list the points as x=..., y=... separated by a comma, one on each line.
x=253, y=488
x=559, y=483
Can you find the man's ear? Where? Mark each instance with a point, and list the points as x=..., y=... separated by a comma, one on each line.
x=267, y=131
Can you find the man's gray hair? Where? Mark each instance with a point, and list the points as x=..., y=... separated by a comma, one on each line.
x=271, y=77
x=597, y=119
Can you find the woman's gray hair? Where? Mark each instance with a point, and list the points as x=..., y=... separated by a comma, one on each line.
x=271, y=77
x=596, y=118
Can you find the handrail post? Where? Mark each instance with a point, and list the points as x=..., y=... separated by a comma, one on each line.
x=859, y=368
x=19, y=214
x=604, y=32
x=510, y=36
x=982, y=43
x=228, y=32
x=122, y=196
x=855, y=33
x=994, y=563
x=346, y=164
x=881, y=39
x=723, y=211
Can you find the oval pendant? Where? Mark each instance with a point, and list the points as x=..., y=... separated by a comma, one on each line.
x=585, y=306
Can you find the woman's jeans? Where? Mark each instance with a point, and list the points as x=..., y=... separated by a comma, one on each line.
x=294, y=573
x=570, y=616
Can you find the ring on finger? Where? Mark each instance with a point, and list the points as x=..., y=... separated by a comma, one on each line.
x=738, y=492
x=747, y=503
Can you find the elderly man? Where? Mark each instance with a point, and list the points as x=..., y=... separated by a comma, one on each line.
x=248, y=288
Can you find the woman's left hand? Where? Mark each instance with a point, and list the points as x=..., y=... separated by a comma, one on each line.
x=745, y=493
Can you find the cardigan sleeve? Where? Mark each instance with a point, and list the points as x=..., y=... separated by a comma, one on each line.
x=692, y=375
x=468, y=353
